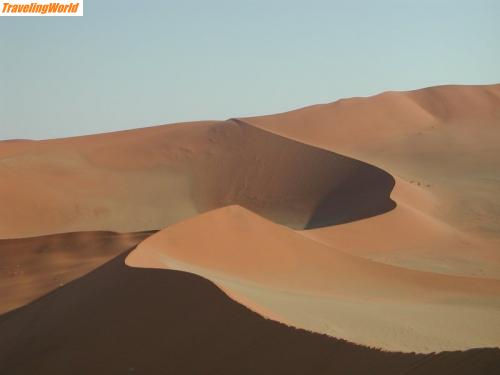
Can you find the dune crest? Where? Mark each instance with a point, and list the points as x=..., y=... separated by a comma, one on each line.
x=150, y=178
x=441, y=146
x=309, y=285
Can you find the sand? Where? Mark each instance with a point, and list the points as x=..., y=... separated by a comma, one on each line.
x=150, y=178
x=119, y=319
x=372, y=219
x=32, y=267
x=441, y=146
x=433, y=151
x=288, y=277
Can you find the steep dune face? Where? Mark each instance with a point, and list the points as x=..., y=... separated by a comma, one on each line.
x=289, y=277
x=151, y=178
x=441, y=145
x=442, y=140
x=119, y=319
x=32, y=267
x=287, y=181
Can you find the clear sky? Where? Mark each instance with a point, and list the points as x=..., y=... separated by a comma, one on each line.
x=129, y=64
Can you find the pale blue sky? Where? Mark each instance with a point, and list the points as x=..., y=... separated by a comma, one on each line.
x=154, y=62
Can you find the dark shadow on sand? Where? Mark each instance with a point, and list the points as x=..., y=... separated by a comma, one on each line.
x=336, y=189
x=122, y=320
x=365, y=193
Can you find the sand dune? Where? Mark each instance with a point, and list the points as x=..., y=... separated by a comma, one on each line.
x=92, y=183
x=372, y=219
x=32, y=267
x=410, y=237
x=441, y=145
x=291, y=278
x=119, y=319
x=151, y=178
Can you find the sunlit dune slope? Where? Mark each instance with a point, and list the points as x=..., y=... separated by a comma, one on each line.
x=441, y=146
x=287, y=276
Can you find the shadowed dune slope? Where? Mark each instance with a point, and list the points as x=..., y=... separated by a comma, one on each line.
x=287, y=181
x=32, y=267
x=153, y=177
x=119, y=319
x=286, y=276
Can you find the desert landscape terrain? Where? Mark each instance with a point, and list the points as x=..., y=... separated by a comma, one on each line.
x=359, y=236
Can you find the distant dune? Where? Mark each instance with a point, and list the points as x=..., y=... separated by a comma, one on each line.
x=441, y=146
x=376, y=220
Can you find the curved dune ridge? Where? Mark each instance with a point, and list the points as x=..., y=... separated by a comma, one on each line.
x=372, y=219
x=291, y=278
x=149, y=178
x=441, y=146
x=119, y=319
